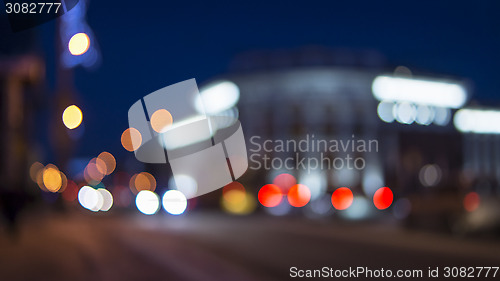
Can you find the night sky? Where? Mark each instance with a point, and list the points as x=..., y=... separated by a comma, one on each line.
x=146, y=45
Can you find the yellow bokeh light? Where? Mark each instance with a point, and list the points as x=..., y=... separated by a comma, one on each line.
x=52, y=179
x=160, y=120
x=79, y=44
x=131, y=139
x=238, y=202
x=72, y=117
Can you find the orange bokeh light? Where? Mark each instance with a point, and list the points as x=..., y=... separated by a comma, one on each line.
x=142, y=181
x=109, y=163
x=131, y=139
x=100, y=165
x=160, y=120
x=342, y=198
x=270, y=195
x=383, y=198
x=299, y=195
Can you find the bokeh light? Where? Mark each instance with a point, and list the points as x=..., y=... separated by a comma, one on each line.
x=382, y=198
x=471, y=201
x=142, y=181
x=270, y=195
x=64, y=182
x=342, y=198
x=385, y=111
x=161, y=120
x=100, y=165
x=131, y=139
x=92, y=174
x=359, y=210
x=147, y=202
x=90, y=199
x=238, y=202
x=425, y=115
x=35, y=168
x=405, y=112
x=217, y=97
x=109, y=163
x=71, y=192
x=442, y=116
x=107, y=199
x=39, y=180
x=174, y=202
x=232, y=186
x=79, y=44
x=285, y=182
x=52, y=179
x=316, y=181
x=299, y=195
x=430, y=175
x=72, y=117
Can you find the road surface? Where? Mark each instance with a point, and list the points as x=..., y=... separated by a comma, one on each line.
x=213, y=246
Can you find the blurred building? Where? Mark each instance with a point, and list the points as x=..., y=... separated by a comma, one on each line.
x=20, y=77
x=329, y=95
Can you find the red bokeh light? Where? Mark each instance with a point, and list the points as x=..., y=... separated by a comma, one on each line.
x=471, y=201
x=71, y=191
x=383, y=198
x=270, y=195
x=342, y=198
x=285, y=182
x=299, y=195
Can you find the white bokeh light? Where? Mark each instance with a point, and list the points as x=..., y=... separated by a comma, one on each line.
x=384, y=111
x=425, y=115
x=107, y=201
x=147, y=202
x=419, y=91
x=316, y=182
x=405, y=112
x=217, y=97
x=174, y=202
x=90, y=199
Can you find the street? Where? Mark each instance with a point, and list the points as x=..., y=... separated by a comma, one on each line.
x=213, y=246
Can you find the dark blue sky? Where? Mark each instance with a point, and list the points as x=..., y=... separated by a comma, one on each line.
x=146, y=45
